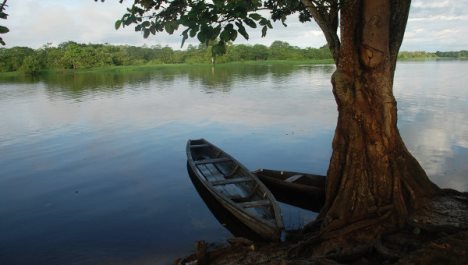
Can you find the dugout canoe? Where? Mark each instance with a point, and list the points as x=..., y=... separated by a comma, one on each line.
x=235, y=188
x=303, y=190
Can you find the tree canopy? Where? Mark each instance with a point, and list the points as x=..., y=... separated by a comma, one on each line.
x=220, y=21
x=3, y=15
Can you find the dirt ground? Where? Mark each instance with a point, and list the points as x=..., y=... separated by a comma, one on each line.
x=437, y=234
x=446, y=249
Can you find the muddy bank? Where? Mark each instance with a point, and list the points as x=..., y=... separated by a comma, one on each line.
x=436, y=234
x=408, y=248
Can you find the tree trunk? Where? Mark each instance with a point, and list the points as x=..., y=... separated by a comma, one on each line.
x=373, y=181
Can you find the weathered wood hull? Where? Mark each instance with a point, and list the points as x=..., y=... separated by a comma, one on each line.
x=235, y=188
x=224, y=217
x=307, y=192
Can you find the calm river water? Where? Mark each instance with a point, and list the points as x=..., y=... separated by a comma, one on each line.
x=93, y=166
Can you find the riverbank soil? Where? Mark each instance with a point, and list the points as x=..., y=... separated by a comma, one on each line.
x=436, y=233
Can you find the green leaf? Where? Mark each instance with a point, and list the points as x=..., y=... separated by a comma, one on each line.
x=145, y=24
x=241, y=30
x=215, y=32
x=169, y=27
x=229, y=27
x=202, y=36
x=146, y=33
x=2, y=42
x=264, y=31
x=152, y=29
x=250, y=22
x=255, y=16
x=3, y=30
x=229, y=33
x=225, y=35
x=283, y=19
x=233, y=35
x=127, y=21
x=270, y=26
x=193, y=32
x=3, y=15
x=184, y=38
x=208, y=32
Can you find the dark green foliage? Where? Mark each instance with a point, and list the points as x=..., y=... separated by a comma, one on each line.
x=214, y=22
x=453, y=54
x=3, y=15
x=31, y=65
x=433, y=55
x=72, y=55
x=12, y=59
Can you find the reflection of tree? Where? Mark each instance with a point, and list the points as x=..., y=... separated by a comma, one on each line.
x=280, y=71
x=321, y=68
x=220, y=78
x=84, y=84
x=19, y=79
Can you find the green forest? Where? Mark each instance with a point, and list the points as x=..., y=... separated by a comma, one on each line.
x=74, y=56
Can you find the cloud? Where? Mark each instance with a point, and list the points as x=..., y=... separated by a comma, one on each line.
x=433, y=25
x=437, y=25
x=428, y=4
x=34, y=23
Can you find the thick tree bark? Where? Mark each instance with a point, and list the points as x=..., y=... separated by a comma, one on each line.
x=373, y=181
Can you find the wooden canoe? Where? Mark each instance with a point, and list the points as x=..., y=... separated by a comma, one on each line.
x=224, y=217
x=236, y=188
x=303, y=190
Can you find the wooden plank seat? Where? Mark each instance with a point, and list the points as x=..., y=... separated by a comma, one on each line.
x=252, y=204
x=246, y=198
x=237, y=198
x=230, y=181
x=212, y=160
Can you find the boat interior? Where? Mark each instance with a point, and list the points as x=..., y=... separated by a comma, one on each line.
x=231, y=180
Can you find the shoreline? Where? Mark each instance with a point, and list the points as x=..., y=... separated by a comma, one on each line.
x=151, y=67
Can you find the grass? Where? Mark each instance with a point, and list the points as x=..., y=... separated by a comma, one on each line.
x=289, y=62
x=152, y=67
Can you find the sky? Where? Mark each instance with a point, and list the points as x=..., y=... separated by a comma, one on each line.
x=434, y=25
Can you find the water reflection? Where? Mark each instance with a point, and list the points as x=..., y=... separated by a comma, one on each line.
x=433, y=118
x=92, y=166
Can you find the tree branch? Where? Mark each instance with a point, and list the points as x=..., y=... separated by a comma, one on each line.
x=328, y=23
x=2, y=6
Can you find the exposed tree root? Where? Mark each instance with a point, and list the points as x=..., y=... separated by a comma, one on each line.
x=437, y=233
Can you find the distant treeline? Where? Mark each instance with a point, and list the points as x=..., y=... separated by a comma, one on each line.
x=424, y=55
x=72, y=55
